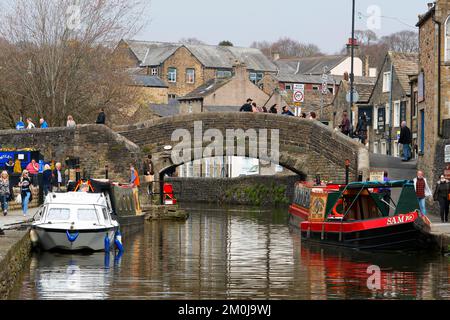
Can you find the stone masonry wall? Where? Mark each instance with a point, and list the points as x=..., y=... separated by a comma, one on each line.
x=256, y=190
x=306, y=147
x=95, y=145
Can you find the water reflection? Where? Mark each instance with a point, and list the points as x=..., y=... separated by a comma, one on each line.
x=231, y=253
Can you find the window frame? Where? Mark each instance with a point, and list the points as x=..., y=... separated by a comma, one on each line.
x=225, y=73
x=255, y=77
x=387, y=82
x=154, y=71
x=447, y=40
x=188, y=75
x=397, y=114
x=169, y=73
x=286, y=87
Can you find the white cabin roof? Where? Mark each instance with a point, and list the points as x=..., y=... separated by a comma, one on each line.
x=76, y=198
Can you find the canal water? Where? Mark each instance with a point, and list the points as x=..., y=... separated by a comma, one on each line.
x=231, y=253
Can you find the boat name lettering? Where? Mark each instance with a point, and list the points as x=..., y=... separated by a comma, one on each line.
x=400, y=219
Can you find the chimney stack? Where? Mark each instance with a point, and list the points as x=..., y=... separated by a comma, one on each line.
x=355, y=45
x=276, y=56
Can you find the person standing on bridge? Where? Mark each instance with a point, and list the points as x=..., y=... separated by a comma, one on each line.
x=247, y=107
x=441, y=193
x=287, y=112
x=345, y=124
x=405, y=140
x=101, y=118
x=274, y=109
x=422, y=191
x=362, y=129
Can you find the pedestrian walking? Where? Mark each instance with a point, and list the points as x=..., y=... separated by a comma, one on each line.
x=25, y=191
x=149, y=173
x=405, y=140
x=134, y=181
x=30, y=124
x=33, y=170
x=345, y=124
x=5, y=192
x=247, y=107
x=101, y=118
x=274, y=109
x=422, y=191
x=70, y=122
x=441, y=193
x=287, y=112
x=57, y=177
x=44, y=124
x=47, y=180
x=361, y=129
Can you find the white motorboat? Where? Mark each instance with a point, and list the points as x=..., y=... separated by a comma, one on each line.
x=75, y=221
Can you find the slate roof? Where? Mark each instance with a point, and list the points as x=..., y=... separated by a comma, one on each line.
x=165, y=110
x=405, y=64
x=305, y=78
x=155, y=53
x=147, y=81
x=309, y=65
x=424, y=17
x=205, y=89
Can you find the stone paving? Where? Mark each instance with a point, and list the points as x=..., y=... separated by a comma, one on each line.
x=15, y=217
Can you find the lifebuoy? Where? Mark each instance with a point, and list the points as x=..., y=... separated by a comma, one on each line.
x=336, y=214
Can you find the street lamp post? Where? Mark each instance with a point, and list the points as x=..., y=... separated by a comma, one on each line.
x=352, y=76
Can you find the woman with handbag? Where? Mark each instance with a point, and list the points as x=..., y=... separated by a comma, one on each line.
x=441, y=194
x=25, y=191
x=5, y=192
x=149, y=173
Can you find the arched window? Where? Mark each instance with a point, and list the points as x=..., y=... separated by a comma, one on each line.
x=447, y=40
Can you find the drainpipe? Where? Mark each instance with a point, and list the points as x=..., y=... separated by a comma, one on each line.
x=391, y=109
x=439, y=77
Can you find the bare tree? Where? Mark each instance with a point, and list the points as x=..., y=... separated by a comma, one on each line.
x=287, y=47
x=58, y=57
x=366, y=37
x=404, y=41
x=191, y=41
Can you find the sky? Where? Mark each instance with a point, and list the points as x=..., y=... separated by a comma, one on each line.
x=326, y=23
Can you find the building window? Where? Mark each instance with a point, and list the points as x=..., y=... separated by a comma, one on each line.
x=375, y=147
x=316, y=88
x=221, y=74
x=397, y=114
x=383, y=148
x=375, y=119
x=172, y=75
x=388, y=114
x=288, y=87
x=154, y=71
x=172, y=96
x=421, y=87
x=447, y=40
x=387, y=82
x=255, y=77
x=415, y=103
x=190, y=75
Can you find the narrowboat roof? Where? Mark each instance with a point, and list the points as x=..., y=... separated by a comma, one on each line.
x=76, y=198
x=376, y=184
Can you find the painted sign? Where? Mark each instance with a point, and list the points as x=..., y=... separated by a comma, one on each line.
x=447, y=154
x=302, y=196
x=400, y=219
x=318, y=207
x=299, y=93
x=377, y=176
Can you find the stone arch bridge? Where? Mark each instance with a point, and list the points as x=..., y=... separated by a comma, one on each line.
x=305, y=147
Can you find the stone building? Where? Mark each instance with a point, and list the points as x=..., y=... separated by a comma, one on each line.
x=226, y=93
x=434, y=89
x=185, y=67
x=151, y=89
x=391, y=102
x=308, y=72
x=364, y=86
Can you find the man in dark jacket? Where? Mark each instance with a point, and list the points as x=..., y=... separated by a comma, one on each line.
x=287, y=112
x=405, y=140
x=101, y=118
x=247, y=107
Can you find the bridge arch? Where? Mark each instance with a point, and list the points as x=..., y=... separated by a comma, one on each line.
x=305, y=147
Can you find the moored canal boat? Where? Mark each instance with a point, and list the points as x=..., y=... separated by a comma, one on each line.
x=75, y=221
x=358, y=216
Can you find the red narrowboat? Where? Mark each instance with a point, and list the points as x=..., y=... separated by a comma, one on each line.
x=361, y=215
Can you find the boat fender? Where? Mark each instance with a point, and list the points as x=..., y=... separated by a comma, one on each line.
x=34, y=237
x=107, y=244
x=340, y=202
x=72, y=237
x=118, y=241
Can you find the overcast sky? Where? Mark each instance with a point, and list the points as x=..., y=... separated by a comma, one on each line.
x=326, y=23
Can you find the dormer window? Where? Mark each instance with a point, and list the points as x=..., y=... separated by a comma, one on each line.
x=447, y=40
